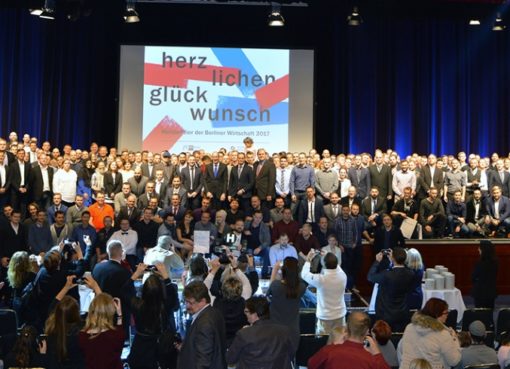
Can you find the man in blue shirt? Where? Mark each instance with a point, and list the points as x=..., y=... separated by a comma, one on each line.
x=301, y=177
x=281, y=250
x=456, y=214
x=84, y=232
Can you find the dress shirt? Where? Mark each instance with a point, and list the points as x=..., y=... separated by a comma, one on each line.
x=195, y=316
x=129, y=240
x=402, y=180
x=45, y=178
x=343, y=187
x=301, y=177
x=3, y=175
x=311, y=211
x=455, y=181
x=279, y=252
x=285, y=188
x=22, y=172
x=65, y=184
x=496, y=209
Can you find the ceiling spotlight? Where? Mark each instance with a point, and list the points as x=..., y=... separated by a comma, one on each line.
x=48, y=11
x=498, y=24
x=275, y=18
x=355, y=18
x=130, y=15
x=474, y=22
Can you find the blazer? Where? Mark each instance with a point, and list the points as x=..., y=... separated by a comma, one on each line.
x=493, y=179
x=246, y=181
x=143, y=200
x=396, y=239
x=7, y=180
x=145, y=170
x=470, y=211
x=216, y=185
x=36, y=181
x=185, y=175
x=366, y=206
x=11, y=242
x=111, y=186
x=205, y=342
x=381, y=179
x=138, y=187
x=363, y=185
x=303, y=210
x=16, y=175
x=166, y=200
x=133, y=218
x=504, y=207
x=427, y=179
x=345, y=201
x=264, y=345
x=266, y=179
x=114, y=279
x=330, y=214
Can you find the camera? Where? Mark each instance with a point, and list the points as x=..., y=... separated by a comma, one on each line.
x=78, y=281
x=41, y=337
x=68, y=246
x=386, y=251
x=366, y=343
x=151, y=268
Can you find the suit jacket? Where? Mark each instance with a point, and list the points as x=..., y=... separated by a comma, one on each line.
x=168, y=170
x=266, y=179
x=329, y=213
x=366, y=206
x=114, y=279
x=146, y=172
x=363, y=185
x=493, y=179
x=264, y=345
x=133, y=218
x=143, y=200
x=36, y=181
x=381, y=179
x=504, y=207
x=216, y=185
x=162, y=190
x=111, y=186
x=16, y=176
x=205, y=342
x=470, y=211
x=7, y=180
x=303, y=210
x=245, y=181
x=427, y=179
x=183, y=195
x=138, y=187
x=11, y=242
x=179, y=215
x=396, y=239
x=197, y=180
x=345, y=201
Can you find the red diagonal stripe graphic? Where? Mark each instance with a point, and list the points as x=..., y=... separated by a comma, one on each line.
x=273, y=93
x=172, y=76
x=163, y=136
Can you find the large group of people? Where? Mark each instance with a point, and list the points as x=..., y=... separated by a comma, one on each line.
x=106, y=218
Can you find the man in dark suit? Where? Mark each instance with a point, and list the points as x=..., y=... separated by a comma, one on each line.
x=380, y=176
x=129, y=211
x=498, y=212
x=138, y=182
x=191, y=179
x=262, y=336
x=9, y=157
x=351, y=198
x=372, y=208
x=204, y=346
x=242, y=180
x=176, y=188
x=174, y=206
x=476, y=212
x=215, y=181
x=148, y=167
x=499, y=177
x=388, y=236
x=20, y=182
x=14, y=237
x=394, y=286
x=41, y=182
x=432, y=176
x=360, y=177
x=144, y=198
x=112, y=183
x=333, y=210
x=265, y=178
x=5, y=181
x=311, y=209
x=160, y=185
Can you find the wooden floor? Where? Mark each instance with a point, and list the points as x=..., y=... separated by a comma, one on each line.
x=458, y=255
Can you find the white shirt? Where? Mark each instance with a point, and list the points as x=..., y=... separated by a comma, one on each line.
x=2, y=175
x=45, y=178
x=128, y=238
x=286, y=180
x=496, y=209
x=343, y=187
x=22, y=172
x=330, y=286
x=173, y=262
x=311, y=211
x=65, y=184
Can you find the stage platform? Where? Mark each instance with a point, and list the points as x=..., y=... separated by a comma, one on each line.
x=458, y=255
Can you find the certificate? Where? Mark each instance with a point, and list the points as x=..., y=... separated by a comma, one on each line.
x=407, y=227
x=201, y=240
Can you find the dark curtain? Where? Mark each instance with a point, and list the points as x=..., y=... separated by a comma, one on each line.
x=415, y=84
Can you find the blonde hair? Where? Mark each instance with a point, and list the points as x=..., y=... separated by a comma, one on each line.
x=101, y=312
x=337, y=334
x=232, y=288
x=413, y=260
x=19, y=267
x=420, y=364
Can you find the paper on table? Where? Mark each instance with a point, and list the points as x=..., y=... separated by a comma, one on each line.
x=201, y=241
x=407, y=227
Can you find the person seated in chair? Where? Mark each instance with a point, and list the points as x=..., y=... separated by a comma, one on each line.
x=478, y=352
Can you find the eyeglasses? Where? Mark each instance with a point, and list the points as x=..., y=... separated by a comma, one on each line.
x=445, y=313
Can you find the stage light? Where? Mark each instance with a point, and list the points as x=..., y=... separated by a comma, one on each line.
x=48, y=11
x=36, y=11
x=498, y=24
x=275, y=18
x=474, y=22
x=130, y=15
x=354, y=19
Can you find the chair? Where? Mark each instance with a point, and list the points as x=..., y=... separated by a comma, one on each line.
x=8, y=329
x=451, y=320
x=396, y=337
x=482, y=366
x=489, y=339
x=309, y=344
x=502, y=322
x=486, y=316
x=307, y=321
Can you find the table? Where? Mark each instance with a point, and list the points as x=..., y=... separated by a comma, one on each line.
x=452, y=297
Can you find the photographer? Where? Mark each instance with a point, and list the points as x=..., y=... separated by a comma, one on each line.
x=394, y=286
x=222, y=268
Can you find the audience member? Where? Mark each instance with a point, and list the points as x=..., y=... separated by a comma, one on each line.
x=415, y=264
x=381, y=332
x=484, y=276
x=478, y=352
x=28, y=352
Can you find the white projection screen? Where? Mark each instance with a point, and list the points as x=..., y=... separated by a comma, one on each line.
x=190, y=98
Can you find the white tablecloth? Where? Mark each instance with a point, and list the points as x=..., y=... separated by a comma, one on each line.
x=452, y=297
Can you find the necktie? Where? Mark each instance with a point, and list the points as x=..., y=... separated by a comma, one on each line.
x=216, y=170
x=239, y=170
x=373, y=206
x=124, y=233
x=358, y=174
x=282, y=180
x=175, y=210
x=129, y=212
x=312, y=212
x=259, y=167
x=192, y=172
x=502, y=175
x=335, y=210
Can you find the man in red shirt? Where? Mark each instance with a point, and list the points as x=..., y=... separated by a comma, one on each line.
x=352, y=354
x=99, y=210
